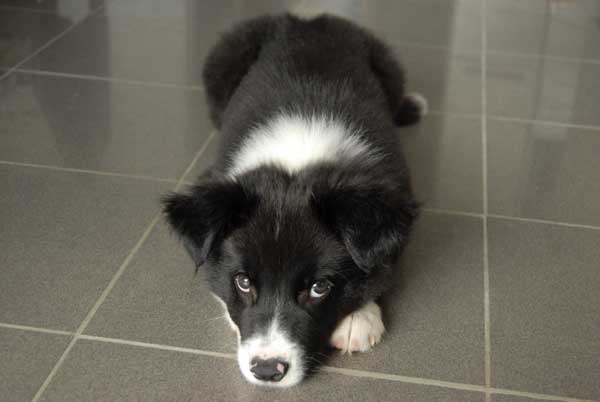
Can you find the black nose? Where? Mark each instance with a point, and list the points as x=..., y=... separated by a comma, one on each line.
x=268, y=370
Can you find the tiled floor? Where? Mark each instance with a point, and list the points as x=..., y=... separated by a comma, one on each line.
x=496, y=299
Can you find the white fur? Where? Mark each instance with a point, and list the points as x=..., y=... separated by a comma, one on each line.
x=419, y=100
x=359, y=331
x=295, y=142
x=232, y=324
x=274, y=343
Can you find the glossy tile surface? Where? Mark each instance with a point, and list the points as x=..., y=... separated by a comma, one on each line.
x=207, y=159
x=100, y=125
x=544, y=172
x=113, y=88
x=543, y=89
x=27, y=358
x=450, y=23
x=513, y=398
x=63, y=237
x=555, y=28
x=160, y=300
x=115, y=42
x=433, y=313
x=23, y=32
x=53, y=6
x=450, y=81
x=544, y=303
x=444, y=155
x=103, y=372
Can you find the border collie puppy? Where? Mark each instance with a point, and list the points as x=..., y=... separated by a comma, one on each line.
x=301, y=219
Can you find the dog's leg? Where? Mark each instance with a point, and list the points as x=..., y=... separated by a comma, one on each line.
x=359, y=331
x=229, y=61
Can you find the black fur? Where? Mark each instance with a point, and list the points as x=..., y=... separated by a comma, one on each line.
x=346, y=221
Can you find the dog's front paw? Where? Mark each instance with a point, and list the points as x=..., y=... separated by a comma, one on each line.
x=359, y=331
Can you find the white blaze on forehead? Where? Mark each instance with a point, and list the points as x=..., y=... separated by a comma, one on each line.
x=294, y=142
x=273, y=343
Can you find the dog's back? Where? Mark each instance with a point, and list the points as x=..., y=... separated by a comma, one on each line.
x=324, y=72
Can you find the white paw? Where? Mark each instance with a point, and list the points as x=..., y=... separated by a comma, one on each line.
x=359, y=331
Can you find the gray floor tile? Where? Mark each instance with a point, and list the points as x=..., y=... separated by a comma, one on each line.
x=63, y=237
x=207, y=159
x=159, y=300
x=567, y=28
x=434, y=311
x=62, y=7
x=27, y=358
x=450, y=23
x=444, y=155
x=98, y=125
x=124, y=41
x=107, y=372
x=512, y=398
x=543, y=89
x=23, y=32
x=544, y=304
x=544, y=172
x=450, y=81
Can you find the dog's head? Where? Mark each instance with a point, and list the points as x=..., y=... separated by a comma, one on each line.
x=290, y=256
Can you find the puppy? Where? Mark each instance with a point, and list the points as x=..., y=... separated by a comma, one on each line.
x=299, y=222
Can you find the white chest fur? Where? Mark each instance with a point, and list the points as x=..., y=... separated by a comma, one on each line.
x=294, y=142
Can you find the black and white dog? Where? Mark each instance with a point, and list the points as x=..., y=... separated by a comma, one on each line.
x=300, y=221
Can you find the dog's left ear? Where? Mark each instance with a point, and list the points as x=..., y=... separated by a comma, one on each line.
x=207, y=214
x=373, y=223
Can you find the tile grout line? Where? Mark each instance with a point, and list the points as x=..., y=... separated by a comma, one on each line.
x=29, y=10
x=88, y=171
x=337, y=370
x=199, y=87
x=203, y=148
x=486, y=269
x=331, y=369
x=52, y=41
x=533, y=395
x=96, y=306
x=230, y=356
x=510, y=218
x=343, y=371
x=468, y=52
x=544, y=221
x=154, y=84
x=544, y=122
x=452, y=212
x=564, y=59
x=77, y=335
x=515, y=120
x=35, y=329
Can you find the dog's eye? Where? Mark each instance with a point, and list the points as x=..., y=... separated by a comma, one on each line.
x=242, y=282
x=320, y=289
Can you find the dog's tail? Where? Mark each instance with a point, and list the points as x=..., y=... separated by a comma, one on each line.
x=413, y=108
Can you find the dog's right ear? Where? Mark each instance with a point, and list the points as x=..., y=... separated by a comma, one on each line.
x=207, y=214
